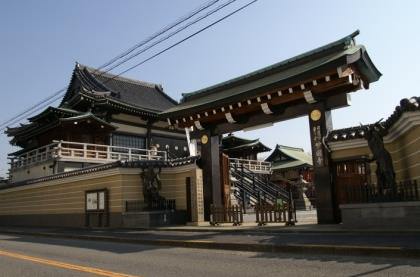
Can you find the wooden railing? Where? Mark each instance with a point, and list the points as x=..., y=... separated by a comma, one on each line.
x=266, y=213
x=35, y=156
x=252, y=165
x=222, y=214
x=84, y=152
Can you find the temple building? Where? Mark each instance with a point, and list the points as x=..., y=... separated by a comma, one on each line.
x=101, y=118
x=290, y=163
x=241, y=148
x=292, y=166
x=121, y=153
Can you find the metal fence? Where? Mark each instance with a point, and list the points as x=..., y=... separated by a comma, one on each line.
x=157, y=205
x=403, y=191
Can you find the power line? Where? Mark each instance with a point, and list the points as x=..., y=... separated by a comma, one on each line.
x=162, y=31
x=43, y=105
x=25, y=112
x=185, y=39
x=17, y=119
x=33, y=109
x=189, y=24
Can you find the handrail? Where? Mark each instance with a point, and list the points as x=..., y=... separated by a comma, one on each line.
x=250, y=183
x=256, y=192
x=253, y=165
x=84, y=151
x=152, y=152
x=267, y=188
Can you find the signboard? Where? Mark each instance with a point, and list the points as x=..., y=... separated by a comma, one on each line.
x=92, y=201
x=317, y=145
x=101, y=200
x=96, y=200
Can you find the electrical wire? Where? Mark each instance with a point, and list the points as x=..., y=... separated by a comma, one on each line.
x=183, y=40
x=58, y=93
x=189, y=24
x=162, y=31
x=36, y=107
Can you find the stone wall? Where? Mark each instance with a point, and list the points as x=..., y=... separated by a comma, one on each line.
x=381, y=215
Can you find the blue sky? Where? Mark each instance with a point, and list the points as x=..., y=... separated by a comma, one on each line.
x=41, y=40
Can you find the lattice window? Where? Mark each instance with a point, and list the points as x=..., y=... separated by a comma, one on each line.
x=130, y=141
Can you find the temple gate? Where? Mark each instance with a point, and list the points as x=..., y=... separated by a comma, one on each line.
x=311, y=84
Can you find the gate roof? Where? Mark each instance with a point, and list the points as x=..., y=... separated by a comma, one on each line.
x=341, y=60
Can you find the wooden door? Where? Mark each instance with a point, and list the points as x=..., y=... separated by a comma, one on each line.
x=347, y=174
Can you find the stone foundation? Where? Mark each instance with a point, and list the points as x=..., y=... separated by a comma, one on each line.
x=153, y=219
x=381, y=215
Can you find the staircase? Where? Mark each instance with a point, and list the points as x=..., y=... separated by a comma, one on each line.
x=252, y=188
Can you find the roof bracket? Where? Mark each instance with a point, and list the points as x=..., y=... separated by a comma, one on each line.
x=266, y=109
x=198, y=125
x=229, y=118
x=309, y=97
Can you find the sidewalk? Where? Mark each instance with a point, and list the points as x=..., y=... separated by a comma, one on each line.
x=314, y=239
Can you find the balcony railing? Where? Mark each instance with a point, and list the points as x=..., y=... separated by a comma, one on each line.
x=84, y=152
x=253, y=165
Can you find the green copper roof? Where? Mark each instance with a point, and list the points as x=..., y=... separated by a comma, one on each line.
x=289, y=165
x=332, y=55
x=296, y=153
x=342, y=43
x=296, y=157
x=234, y=143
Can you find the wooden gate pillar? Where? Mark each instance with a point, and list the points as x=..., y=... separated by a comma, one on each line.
x=210, y=157
x=320, y=123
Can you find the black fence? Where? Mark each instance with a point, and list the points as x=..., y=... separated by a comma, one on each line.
x=403, y=191
x=157, y=205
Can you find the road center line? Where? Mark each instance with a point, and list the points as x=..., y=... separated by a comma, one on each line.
x=92, y=270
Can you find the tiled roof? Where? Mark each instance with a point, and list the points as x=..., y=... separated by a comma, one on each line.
x=58, y=110
x=326, y=49
x=33, y=125
x=86, y=116
x=297, y=157
x=406, y=105
x=138, y=93
x=234, y=143
x=340, y=52
x=102, y=167
x=290, y=165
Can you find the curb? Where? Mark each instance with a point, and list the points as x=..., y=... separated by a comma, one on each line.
x=348, y=250
x=282, y=231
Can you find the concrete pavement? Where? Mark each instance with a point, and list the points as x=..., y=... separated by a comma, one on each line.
x=120, y=259
x=396, y=244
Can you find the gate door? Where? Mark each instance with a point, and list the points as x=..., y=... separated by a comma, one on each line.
x=347, y=174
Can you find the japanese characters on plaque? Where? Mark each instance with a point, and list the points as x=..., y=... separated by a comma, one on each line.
x=95, y=201
x=318, y=150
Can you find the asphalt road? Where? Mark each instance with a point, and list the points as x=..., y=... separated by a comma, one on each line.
x=34, y=256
